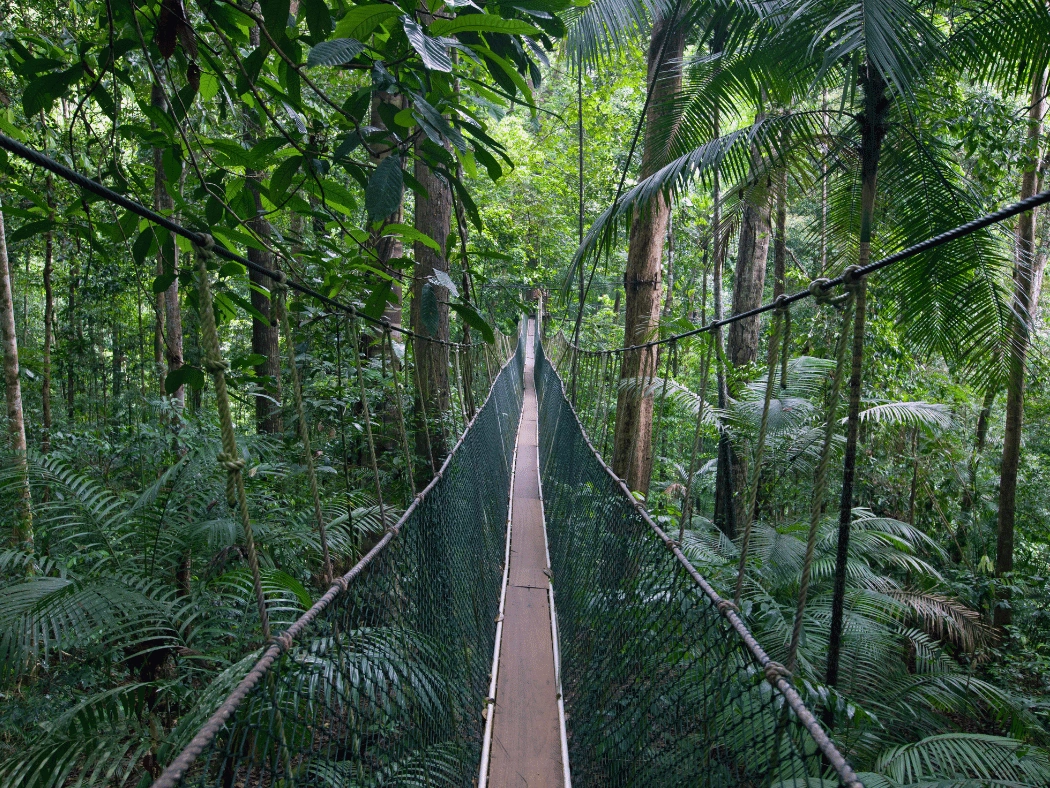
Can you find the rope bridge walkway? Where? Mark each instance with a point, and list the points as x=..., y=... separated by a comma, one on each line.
x=524, y=621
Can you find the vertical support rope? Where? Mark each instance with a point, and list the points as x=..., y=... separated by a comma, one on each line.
x=697, y=437
x=756, y=473
x=400, y=410
x=281, y=290
x=820, y=476
x=228, y=458
x=367, y=416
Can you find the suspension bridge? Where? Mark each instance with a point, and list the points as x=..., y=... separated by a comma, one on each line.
x=525, y=621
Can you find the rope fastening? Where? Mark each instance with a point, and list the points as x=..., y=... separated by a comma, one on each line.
x=229, y=458
x=774, y=671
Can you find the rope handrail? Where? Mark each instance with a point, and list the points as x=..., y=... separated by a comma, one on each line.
x=200, y=239
x=177, y=769
x=818, y=287
x=775, y=673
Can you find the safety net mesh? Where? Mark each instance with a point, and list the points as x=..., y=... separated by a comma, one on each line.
x=661, y=687
x=383, y=682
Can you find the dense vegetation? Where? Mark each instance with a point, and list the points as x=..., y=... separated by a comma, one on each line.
x=662, y=163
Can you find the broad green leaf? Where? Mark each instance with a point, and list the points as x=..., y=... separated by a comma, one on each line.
x=475, y=321
x=361, y=20
x=378, y=299
x=282, y=177
x=428, y=310
x=442, y=279
x=383, y=195
x=411, y=234
x=183, y=376
x=481, y=23
x=337, y=52
x=29, y=230
x=318, y=18
x=433, y=52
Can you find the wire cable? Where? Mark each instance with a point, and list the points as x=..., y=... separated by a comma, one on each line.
x=820, y=286
x=42, y=160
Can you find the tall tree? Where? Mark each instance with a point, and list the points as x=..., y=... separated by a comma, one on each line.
x=430, y=312
x=1027, y=278
x=632, y=447
x=22, y=531
x=167, y=263
x=264, y=329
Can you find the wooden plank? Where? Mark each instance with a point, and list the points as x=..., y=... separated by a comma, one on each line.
x=526, y=739
x=526, y=742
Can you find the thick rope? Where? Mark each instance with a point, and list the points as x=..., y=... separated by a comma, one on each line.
x=281, y=291
x=400, y=411
x=820, y=478
x=367, y=417
x=697, y=438
x=229, y=458
x=756, y=474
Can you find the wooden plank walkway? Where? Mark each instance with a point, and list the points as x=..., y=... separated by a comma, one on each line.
x=526, y=739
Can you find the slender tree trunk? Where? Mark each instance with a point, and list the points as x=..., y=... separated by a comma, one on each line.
x=429, y=301
x=75, y=344
x=873, y=130
x=264, y=334
x=168, y=326
x=22, y=530
x=780, y=239
x=632, y=447
x=1025, y=286
x=749, y=278
x=49, y=339
x=390, y=246
x=669, y=299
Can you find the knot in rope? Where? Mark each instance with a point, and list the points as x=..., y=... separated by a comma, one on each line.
x=850, y=275
x=818, y=288
x=215, y=365
x=724, y=606
x=280, y=283
x=774, y=671
x=781, y=303
x=283, y=641
x=206, y=246
x=231, y=463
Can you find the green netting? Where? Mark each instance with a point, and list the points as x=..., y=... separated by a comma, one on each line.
x=384, y=681
x=661, y=687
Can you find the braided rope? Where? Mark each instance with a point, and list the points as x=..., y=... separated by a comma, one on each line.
x=229, y=458
x=400, y=410
x=820, y=477
x=280, y=289
x=367, y=417
x=697, y=438
x=756, y=475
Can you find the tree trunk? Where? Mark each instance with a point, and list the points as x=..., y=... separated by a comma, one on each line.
x=632, y=447
x=749, y=278
x=873, y=129
x=49, y=339
x=389, y=247
x=22, y=530
x=429, y=305
x=780, y=240
x=264, y=334
x=1020, y=328
x=669, y=299
x=168, y=327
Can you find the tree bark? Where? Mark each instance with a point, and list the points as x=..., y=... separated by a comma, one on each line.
x=22, y=530
x=49, y=333
x=749, y=278
x=873, y=130
x=169, y=327
x=780, y=239
x=433, y=216
x=632, y=445
x=1025, y=285
x=264, y=333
